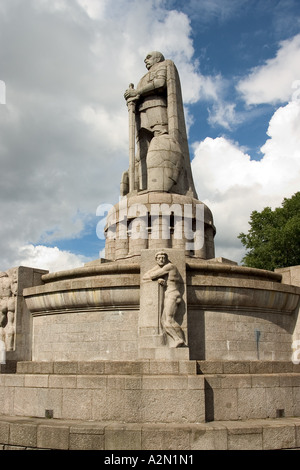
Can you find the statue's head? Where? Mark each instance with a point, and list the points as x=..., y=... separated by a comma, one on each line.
x=161, y=258
x=153, y=58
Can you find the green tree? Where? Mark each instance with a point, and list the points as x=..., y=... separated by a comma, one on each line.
x=273, y=240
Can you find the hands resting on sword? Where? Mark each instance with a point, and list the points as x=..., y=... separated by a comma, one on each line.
x=131, y=94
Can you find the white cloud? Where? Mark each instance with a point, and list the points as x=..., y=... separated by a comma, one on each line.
x=223, y=114
x=99, y=121
x=94, y=8
x=207, y=10
x=51, y=259
x=233, y=185
x=276, y=81
x=51, y=5
x=273, y=81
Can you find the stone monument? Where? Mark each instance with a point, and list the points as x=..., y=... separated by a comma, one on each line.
x=159, y=345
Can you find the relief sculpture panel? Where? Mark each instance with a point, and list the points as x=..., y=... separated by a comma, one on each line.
x=8, y=295
x=170, y=296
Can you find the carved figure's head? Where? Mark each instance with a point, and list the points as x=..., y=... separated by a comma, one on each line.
x=153, y=58
x=161, y=258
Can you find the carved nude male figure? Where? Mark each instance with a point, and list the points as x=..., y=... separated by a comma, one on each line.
x=8, y=291
x=169, y=278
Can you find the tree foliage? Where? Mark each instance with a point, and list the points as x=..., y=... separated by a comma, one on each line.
x=273, y=240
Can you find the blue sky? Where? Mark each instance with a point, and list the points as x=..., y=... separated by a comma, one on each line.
x=63, y=132
x=231, y=41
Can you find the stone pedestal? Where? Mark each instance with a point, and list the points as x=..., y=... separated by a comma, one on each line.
x=158, y=220
x=103, y=311
x=143, y=391
x=151, y=405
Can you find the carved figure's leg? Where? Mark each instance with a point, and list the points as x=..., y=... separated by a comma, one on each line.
x=171, y=327
x=3, y=323
x=10, y=331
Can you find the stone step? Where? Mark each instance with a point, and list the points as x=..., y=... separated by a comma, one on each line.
x=147, y=391
x=145, y=366
x=139, y=367
x=246, y=367
x=257, y=434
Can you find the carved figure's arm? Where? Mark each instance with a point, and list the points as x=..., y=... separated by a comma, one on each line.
x=157, y=82
x=131, y=94
x=156, y=272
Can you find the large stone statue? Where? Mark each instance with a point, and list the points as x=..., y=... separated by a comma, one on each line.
x=161, y=161
x=169, y=280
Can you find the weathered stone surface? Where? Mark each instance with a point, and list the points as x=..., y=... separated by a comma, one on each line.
x=232, y=313
x=111, y=368
x=123, y=437
x=23, y=434
x=121, y=391
x=210, y=436
x=86, y=438
x=215, y=331
x=158, y=437
x=250, y=396
x=240, y=334
x=279, y=435
x=150, y=392
x=4, y=431
x=290, y=275
x=33, y=433
x=53, y=437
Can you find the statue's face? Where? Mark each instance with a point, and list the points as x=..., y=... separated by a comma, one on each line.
x=161, y=260
x=151, y=59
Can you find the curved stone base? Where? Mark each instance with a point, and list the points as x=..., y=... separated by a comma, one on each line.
x=259, y=434
x=232, y=313
x=239, y=313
